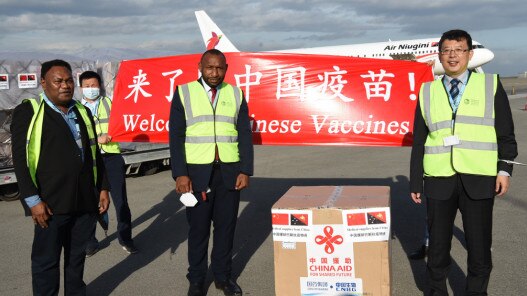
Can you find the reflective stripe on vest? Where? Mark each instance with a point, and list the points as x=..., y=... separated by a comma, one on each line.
x=474, y=126
x=102, y=122
x=34, y=136
x=207, y=127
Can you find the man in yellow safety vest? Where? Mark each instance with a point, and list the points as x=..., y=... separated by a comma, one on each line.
x=100, y=107
x=212, y=158
x=61, y=179
x=463, y=147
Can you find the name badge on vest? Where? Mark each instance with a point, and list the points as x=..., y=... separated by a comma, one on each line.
x=451, y=141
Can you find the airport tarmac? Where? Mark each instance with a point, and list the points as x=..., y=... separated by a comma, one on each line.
x=515, y=85
x=160, y=226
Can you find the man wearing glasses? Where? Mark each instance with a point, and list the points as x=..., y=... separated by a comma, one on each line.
x=463, y=144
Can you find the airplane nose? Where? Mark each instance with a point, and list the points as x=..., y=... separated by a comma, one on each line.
x=487, y=55
x=480, y=58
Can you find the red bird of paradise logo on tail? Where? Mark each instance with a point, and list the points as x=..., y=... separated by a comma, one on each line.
x=213, y=41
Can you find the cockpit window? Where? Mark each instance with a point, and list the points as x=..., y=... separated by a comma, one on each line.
x=474, y=46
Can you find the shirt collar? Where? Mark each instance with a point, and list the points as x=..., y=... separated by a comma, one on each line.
x=86, y=102
x=207, y=87
x=463, y=78
x=53, y=106
x=91, y=105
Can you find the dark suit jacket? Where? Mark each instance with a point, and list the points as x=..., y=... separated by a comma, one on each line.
x=65, y=182
x=477, y=187
x=200, y=174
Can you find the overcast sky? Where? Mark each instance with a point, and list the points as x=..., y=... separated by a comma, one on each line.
x=70, y=26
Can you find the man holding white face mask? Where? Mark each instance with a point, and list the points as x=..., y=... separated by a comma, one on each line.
x=100, y=107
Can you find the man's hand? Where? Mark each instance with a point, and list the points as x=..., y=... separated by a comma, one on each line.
x=104, y=201
x=416, y=196
x=502, y=185
x=431, y=63
x=41, y=213
x=104, y=139
x=183, y=184
x=242, y=182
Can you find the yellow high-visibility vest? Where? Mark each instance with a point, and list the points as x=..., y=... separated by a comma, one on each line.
x=207, y=127
x=34, y=136
x=102, y=119
x=477, y=152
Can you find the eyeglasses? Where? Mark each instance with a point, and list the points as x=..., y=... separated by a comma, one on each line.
x=457, y=51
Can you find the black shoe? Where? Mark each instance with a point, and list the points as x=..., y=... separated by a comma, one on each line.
x=229, y=288
x=130, y=248
x=419, y=254
x=92, y=251
x=195, y=289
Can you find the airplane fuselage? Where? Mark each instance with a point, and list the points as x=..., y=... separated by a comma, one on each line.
x=420, y=50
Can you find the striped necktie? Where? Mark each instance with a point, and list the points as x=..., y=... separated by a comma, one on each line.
x=454, y=90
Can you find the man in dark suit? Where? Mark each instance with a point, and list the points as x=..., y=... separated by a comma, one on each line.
x=60, y=174
x=212, y=157
x=463, y=142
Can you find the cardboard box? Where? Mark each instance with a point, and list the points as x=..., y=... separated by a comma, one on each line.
x=332, y=240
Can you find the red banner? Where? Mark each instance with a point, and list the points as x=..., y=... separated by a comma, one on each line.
x=293, y=99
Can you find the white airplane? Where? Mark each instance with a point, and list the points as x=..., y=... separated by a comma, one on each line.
x=420, y=50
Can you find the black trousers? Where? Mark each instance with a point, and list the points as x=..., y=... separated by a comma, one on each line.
x=477, y=225
x=221, y=207
x=68, y=232
x=115, y=170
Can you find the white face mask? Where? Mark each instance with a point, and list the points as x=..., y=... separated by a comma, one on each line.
x=91, y=93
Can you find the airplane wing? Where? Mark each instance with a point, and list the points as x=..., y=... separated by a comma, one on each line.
x=213, y=37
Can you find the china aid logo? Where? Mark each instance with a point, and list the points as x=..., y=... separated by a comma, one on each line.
x=328, y=239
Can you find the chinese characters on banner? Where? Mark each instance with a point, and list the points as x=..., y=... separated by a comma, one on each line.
x=293, y=99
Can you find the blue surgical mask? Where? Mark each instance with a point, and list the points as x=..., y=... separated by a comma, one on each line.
x=91, y=93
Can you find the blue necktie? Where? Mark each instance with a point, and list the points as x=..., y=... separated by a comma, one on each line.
x=454, y=91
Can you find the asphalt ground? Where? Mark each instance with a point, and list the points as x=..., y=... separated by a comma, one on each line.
x=160, y=227
x=515, y=85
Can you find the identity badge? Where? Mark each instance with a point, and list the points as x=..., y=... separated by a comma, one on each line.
x=451, y=141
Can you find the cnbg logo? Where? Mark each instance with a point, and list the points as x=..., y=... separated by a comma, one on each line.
x=328, y=239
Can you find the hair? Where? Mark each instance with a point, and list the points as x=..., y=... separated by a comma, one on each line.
x=89, y=75
x=213, y=51
x=458, y=35
x=46, y=66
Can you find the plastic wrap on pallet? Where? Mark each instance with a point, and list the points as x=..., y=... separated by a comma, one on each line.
x=6, y=157
x=10, y=98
